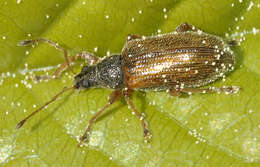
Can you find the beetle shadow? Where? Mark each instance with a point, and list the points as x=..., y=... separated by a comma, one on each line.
x=39, y=123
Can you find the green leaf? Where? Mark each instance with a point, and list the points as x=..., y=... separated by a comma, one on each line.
x=198, y=130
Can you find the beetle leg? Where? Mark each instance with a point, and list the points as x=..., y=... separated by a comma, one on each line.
x=51, y=43
x=133, y=36
x=224, y=89
x=67, y=65
x=184, y=27
x=174, y=92
x=113, y=97
x=232, y=43
x=88, y=57
x=140, y=116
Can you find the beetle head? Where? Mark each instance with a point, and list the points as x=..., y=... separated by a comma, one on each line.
x=86, y=78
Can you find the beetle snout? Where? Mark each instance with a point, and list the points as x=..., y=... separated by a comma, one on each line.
x=78, y=81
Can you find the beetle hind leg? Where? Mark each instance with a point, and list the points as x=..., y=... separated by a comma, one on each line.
x=184, y=27
x=174, y=92
x=224, y=89
x=140, y=116
x=132, y=37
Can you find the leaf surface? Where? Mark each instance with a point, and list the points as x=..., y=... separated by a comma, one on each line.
x=198, y=130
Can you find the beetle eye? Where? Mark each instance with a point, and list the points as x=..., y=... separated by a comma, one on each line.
x=85, y=83
x=84, y=69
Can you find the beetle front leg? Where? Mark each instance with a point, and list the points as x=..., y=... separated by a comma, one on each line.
x=140, y=116
x=88, y=57
x=114, y=96
x=28, y=42
x=184, y=27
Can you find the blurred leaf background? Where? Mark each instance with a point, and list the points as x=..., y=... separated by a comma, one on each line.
x=199, y=130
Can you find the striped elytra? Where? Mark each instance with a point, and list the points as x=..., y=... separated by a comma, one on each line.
x=175, y=60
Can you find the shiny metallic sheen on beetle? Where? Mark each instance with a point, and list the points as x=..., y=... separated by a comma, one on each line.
x=191, y=59
x=179, y=62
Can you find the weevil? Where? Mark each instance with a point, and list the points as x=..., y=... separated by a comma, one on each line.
x=178, y=62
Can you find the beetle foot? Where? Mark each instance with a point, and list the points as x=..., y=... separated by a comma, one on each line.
x=231, y=89
x=83, y=139
x=226, y=89
x=43, y=77
x=147, y=136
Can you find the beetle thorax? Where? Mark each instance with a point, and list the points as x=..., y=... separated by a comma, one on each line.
x=107, y=73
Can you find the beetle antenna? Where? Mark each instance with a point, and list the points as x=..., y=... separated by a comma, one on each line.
x=65, y=89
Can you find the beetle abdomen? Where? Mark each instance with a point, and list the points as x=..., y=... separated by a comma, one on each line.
x=187, y=59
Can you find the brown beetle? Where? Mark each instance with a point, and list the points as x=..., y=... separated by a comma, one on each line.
x=178, y=62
